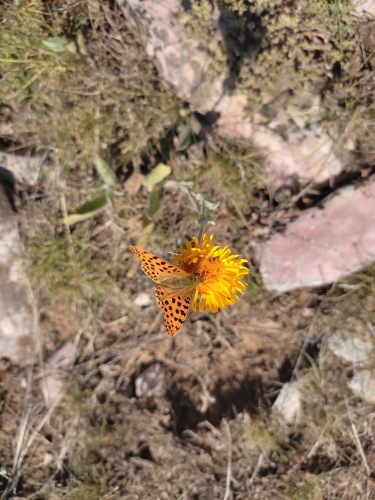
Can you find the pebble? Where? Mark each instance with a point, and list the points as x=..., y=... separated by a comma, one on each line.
x=142, y=300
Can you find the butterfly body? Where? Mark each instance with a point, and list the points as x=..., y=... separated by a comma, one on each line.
x=174, y=288
x=175, y=284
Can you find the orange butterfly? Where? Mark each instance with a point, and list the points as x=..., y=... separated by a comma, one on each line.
x=174, y=289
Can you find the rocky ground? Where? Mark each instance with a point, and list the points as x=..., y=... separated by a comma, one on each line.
x=118, y=122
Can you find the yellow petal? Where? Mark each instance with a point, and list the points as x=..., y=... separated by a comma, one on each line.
x=201, y=303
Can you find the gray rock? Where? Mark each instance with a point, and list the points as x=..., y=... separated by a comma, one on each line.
x=24, y=169
x=363, y=385
x=288, y=404
x=18, y=316
x=151, y=382
x=350, y=349
x=142, y=300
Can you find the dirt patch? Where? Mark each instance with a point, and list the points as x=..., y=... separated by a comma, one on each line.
x=238, y=363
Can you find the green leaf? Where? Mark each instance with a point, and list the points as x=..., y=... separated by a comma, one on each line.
x=209, y=204
x=56, y=44
x=87, y=210
x=93, y=205
x=185, y=138
x=153, y=202
x=109, y=195
x=185, y=189
x=105, y=172
x=97, y=186
x=145, y=234
x=192, y=199
x=314, y=367
x=160, y=172
x=180, y=184
x=205, y=219
x=81, y=44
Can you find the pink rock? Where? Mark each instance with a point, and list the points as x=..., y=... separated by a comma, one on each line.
x=178, y=58
x=184, y=65
x=310, y=158
x=365, y=6
x=323, y=245
x=63, y=358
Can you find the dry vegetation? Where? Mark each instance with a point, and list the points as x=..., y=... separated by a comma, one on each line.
x=101, y=96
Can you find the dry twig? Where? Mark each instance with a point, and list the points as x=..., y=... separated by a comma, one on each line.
x=358, y=442
x=257, y=469
x=207, y=397
x=229, y=468
x=306, y=342
x=360, y=449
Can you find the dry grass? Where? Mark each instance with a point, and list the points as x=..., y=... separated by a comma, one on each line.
x=102, y=96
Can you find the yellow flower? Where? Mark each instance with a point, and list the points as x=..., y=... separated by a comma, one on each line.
x=220, y=271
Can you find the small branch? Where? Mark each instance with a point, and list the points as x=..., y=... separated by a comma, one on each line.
x=208, y=397
x=257, y=469
x=317, y=442
x=20, y=440
x=96, y=129
x=360, y=449
x=213, y=429
x=66, y=226
x=306, y=342
x=229, y=468
x=45, y=419
x=67, y=443
x=21, y=455
x=174, y=221
x=357, y=441
x=153, y=324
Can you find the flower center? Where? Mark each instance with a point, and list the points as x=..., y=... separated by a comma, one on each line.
x=208, y=268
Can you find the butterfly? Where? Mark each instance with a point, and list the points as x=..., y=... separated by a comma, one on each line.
x=174, y=289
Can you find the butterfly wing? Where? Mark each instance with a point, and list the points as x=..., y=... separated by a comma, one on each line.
x=155, y=267
x=176, y=308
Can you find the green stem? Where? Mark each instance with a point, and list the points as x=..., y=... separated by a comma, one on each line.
x=201, y=228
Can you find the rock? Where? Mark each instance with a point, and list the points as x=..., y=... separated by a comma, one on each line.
x=151, y=382
x=363, y=385
x=64, y=357
x=323, y=244
x=134, y=183
x=364, y=7
x=184, y=64
x=307, y=154
x=142, y=300
x=177, y=58
x=367, y=34
x=47, y=459
x=24, y=169
x=288, y=404
x=18, y=317
x=351, y=349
